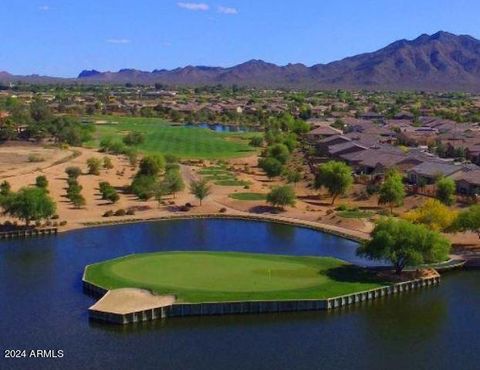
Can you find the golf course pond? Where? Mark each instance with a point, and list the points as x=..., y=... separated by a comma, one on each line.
x=222, y=127
x=43, y=307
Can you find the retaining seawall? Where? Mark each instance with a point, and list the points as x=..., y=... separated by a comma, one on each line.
x=253, y=307
x=28, y=233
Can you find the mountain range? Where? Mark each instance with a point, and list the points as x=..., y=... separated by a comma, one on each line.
x=439, y=62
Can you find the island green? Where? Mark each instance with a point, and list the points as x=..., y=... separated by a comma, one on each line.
x=219, y=276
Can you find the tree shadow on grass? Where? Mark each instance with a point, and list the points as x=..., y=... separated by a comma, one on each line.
x=353, y=274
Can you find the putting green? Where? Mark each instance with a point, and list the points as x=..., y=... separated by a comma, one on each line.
x=209, y=276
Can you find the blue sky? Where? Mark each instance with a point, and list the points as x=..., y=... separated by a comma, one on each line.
x=62, y=37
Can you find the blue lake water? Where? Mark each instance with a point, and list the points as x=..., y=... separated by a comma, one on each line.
x=221, y=127
x=42, y=306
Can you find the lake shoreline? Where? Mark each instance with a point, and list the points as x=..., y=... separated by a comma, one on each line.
x=353, y=235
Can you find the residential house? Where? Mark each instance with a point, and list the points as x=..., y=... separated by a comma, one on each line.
x=428, y=172
x=467, y=181
x=322, y=131
x=344, y=148
x=375, y=160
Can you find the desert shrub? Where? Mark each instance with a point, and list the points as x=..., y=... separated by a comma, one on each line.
x=78, y=200
x=41, y=182
x=73, y=172
x=172, y=167
x=108, y=213
x=107, y=163
x=170, y=158
x=94, y=165
x=34, y=158
x=108, y=192
x=134, y=138
x=120, y=212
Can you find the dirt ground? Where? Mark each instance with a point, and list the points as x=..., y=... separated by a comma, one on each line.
x=312, y=206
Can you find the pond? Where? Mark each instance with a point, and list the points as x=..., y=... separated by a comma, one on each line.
x=221, y=127
x=42, y=306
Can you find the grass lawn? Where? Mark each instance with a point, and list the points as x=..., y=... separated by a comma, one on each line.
x=187, y=143
x=221, y=176
x=248, y=196
x=355, y=213
x=218, y=276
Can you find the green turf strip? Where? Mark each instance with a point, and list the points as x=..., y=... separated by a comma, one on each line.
x=248, y=196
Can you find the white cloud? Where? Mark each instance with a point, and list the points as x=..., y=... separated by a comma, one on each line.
x=193, y=6
x=227, y=10
x=118, y=41
x=44, y=8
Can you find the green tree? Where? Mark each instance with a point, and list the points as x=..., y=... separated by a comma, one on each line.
x=173, y=182
x=73, y=189
x=94, y=165
x=404, y=244
x=433, y=214
x=468, y=220
x=151, y=165
x=336, y=177
x=445, y=190
x=108, y=192
x=392, y=191
x=73, y=172
x=39, y=111
x=78, y=200
x=281, y=196
x=159, y=192
x=144, y=186
x=280, y=152
x=29, y=204
x=256, y=141
x=132, y=156
x=293, y=176
x=5, y=188
x=200, y=189
x=111, y=195
x=41, y=182
x=271, y=166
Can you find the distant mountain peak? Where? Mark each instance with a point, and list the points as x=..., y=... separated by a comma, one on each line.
x=440, y=61
x=89, y=73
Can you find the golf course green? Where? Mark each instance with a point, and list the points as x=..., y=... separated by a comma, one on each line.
x=162, y=137
x=215, y=277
